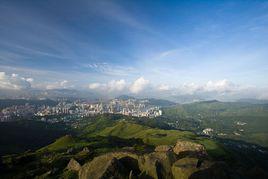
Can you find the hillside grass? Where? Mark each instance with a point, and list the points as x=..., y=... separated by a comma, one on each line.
x=65, y=142
x=223, y=118
x=154, y=136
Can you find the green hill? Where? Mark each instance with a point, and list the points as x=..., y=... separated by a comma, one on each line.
x=154, y=136
x=222, y=117
x=98, y=135
x=65, y=142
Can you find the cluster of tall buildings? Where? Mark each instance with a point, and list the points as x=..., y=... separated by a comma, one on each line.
x=130, y=107
x=17, y=112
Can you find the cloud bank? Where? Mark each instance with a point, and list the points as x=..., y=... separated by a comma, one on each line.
x=112, y=86
x=141, y=87
x=220, y=89
x=14, y=81
x=59, y=85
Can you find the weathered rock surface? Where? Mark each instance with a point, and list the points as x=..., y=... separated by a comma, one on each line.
x=108, y=165
x=163, y=148
x=73, y=165
x=186, y=148
x=163, y=163
x=157, y=164
x=185, y=167
x=124, y=164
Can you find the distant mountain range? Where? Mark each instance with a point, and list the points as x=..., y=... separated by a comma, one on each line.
x=151, y=101
x=83, y=94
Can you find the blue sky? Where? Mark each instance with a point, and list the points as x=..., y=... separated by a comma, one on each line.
x=161, y=44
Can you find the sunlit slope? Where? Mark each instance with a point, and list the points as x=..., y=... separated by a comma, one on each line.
x=154, y=136
x=223, y=118
x=65, y=142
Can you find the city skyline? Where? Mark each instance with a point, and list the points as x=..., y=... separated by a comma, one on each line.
x=208, y=49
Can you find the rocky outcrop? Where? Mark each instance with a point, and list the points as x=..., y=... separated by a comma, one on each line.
x=125, y=164
x=73, y=165
x=187, y=148
x=157, y=164
x=163, y=148
x=111, y=164
x=163, y=163
x=185, y=167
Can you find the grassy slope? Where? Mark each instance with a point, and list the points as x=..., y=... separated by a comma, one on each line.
x=106, y=133
x=223, y=117
x=63, y=143
x=106, y=127
x=153, y=136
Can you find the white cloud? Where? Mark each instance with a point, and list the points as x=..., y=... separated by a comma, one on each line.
x=139, y=85
x=220, y=86
x=30, y=80
x=94, y=86
x=116, y=86
x=59, y=85
x=112, y=86
x=143, y=86
x=14, y=81
x=163, y=87
x=189, y=88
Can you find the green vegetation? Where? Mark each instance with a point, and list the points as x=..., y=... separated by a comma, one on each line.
x=223, y=118
x=154, y=136
x=160, y=102
x=85, y=139
x=63, y=143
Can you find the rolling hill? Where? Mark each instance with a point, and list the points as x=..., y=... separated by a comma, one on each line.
x=235, y=120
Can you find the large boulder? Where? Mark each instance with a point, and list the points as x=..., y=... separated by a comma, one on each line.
x=163, y=148
x=73, y=165
x=187, y=148
x=126, y=164
x=185, y=167
x=117, y=165
x=157, y=164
